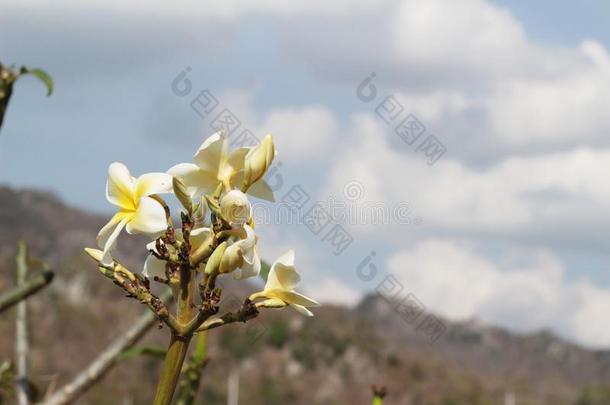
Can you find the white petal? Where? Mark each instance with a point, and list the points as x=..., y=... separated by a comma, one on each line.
x=235, y=162
x=149, y=218
x=199, y=236
x=152, y=246
x=120, y=186
x=212, y=153
x=106, y=231
x=292, y=297
x=154, y=267
x=110, y=238
x=196, y=180
x=302, y=310
x=153, y=183
x=250, y=268
x=261, y=190
x=283, y=275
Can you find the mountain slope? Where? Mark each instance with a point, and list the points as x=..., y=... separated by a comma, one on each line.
x=281, y=357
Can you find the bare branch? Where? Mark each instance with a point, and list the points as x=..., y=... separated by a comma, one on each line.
x=104, y=362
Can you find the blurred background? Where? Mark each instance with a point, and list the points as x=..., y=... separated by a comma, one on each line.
x=442, y=175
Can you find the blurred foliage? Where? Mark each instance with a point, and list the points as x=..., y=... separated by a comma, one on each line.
x=279, y=333
x=152, y=351
x=7, y=381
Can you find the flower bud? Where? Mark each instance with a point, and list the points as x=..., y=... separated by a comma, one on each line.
x=235, y=207
x=95, y=254
x=213, y=264
x=182, y=194
x=232, y=258
x=257, y=161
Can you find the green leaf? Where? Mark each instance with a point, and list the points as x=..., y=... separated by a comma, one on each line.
x=265, y=268
x=153, y=351
x=43, y=77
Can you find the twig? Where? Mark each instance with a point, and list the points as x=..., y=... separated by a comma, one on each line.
x=247, y=311
x=21, y=335
x=104, y=362
x=31, y=286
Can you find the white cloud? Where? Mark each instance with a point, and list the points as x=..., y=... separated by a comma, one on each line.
x=302, y=134
x=562, y=190
x=453, y=279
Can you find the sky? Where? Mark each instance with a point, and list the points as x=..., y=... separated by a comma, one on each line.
x=453, y=150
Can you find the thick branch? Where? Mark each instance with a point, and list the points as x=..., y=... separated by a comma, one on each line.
x=191, y=373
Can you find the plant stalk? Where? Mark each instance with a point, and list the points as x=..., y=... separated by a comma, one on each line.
x=178, y=346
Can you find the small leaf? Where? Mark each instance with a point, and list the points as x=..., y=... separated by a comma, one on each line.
x=43, y=77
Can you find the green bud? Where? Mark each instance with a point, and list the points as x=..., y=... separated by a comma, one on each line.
x=213, y=264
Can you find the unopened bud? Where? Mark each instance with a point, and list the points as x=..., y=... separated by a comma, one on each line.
x=235, y=207
x=95, y=254
x=182, y=194
x=214, y=261
x=232, y=259
x=257, y=161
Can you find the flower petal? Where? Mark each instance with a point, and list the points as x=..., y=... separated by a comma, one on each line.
x=261, y=190
x=154, y=267
x=153, y=183
x=212, y=153
x=251, y=266
x=302, y=310
x=107, y=229
x=235, y=163
x=108, y=235
x=283, y=275
x=120, y=186
x=292, y=297
x=196, y=180
x=199, y=236
x=149, y=218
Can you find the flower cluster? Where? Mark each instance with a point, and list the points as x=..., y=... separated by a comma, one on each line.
x=217, y=235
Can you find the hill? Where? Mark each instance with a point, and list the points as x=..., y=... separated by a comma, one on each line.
x=282, y=357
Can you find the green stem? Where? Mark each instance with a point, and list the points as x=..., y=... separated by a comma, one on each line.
x=178, y=345
x=189, y=384
x=172, y=365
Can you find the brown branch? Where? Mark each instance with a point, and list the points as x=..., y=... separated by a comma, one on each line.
x=247, y=311
x=104, y=362
x=31, y=286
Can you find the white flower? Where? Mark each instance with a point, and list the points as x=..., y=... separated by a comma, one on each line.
x=138, y=212
x=281, y=282
x=235, y=207
x=214, y=164
x=154, y=267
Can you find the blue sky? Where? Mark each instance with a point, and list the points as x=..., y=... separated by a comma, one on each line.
x=509, y=226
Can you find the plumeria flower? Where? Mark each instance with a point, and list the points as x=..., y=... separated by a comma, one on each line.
x=241, y=258
x=214, y=164
x=138, y=212
x=279, y=289
x=154, y=267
